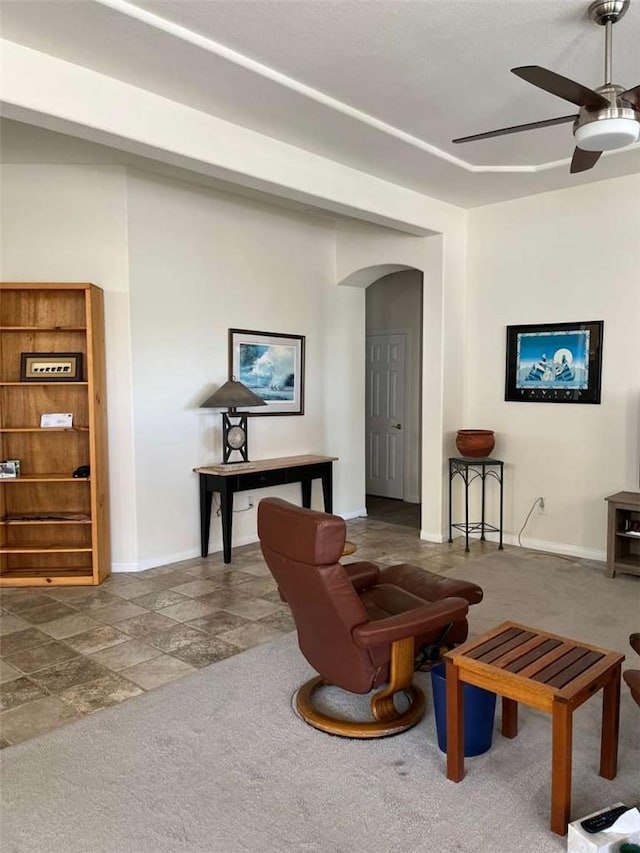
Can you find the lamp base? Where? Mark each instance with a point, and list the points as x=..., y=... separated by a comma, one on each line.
x=234, y=437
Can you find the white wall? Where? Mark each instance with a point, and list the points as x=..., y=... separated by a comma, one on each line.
x=562, y=256
x=394, y=303
x=202, y=262
x=68, y=223
x=344, y=402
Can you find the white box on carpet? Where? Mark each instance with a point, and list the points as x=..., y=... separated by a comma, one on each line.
x=607, y=841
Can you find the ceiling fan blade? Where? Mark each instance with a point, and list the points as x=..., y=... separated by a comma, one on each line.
x=561, y=86
x=517, y=128
x=583, y=160
x=632, y=95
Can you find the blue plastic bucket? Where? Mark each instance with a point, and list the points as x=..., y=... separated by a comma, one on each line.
x=479, y=713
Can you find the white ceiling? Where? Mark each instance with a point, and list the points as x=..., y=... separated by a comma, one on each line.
x=380, y=85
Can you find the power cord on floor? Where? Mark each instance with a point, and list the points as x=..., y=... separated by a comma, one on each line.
x=533, y=506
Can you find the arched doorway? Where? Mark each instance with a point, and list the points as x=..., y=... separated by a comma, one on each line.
x=364, y=255
x=393, y=393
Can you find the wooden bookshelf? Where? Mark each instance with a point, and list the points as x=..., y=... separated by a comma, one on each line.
x=54, y=527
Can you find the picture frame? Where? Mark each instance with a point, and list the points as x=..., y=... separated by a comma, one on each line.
x=271, y=364
x=9, y=469
x=554, y=362
x=51, y=367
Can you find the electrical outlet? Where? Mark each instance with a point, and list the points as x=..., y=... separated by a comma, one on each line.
x=542, y=505
x=251, y=501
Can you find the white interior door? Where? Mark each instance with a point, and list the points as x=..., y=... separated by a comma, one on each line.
x=385, y=371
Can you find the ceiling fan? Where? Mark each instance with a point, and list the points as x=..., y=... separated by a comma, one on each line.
x=609, y=116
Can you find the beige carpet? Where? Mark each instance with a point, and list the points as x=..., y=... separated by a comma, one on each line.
x=219, y=762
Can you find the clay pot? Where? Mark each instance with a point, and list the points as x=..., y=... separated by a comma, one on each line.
x=475, y=442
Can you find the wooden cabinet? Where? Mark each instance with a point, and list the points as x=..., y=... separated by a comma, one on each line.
x=54, y=527
x=623, y=533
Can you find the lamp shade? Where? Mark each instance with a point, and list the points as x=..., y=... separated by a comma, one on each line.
x=232, y=395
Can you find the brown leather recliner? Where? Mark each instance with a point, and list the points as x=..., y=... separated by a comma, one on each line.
x=357, y=625
x=632, y=676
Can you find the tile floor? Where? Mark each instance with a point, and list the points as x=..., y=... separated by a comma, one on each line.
x=394, y=511
x=69, y=651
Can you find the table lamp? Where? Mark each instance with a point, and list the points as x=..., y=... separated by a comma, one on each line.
x=229, y=396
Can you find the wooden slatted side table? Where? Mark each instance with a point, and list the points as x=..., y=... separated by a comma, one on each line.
x=547, y=672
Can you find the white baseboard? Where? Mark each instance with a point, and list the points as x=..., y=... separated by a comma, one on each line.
x=154, y=562
x=559, y=548
x=544, y=545
x=359, y=513
x=426, y=536
x=124, y=567
x=166, y=559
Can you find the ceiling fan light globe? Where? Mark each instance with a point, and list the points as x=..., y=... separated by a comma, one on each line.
x=607, y=134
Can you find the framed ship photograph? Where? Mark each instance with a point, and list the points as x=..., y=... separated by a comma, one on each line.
x=554, y=363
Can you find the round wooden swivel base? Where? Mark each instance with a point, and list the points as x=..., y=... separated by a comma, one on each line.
x=387, y=721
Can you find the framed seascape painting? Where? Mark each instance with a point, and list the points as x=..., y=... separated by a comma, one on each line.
x=272, y=366
x=554, y=362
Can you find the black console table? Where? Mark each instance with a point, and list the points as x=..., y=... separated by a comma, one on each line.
x=471, y=469
x=226, y=479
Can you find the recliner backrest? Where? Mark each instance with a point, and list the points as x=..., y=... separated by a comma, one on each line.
x=302, y=549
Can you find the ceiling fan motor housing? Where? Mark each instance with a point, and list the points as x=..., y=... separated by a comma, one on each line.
x=609, y=128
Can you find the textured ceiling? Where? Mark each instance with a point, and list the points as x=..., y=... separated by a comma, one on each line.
x=388, y=81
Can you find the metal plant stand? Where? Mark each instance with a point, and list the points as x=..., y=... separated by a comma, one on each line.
x=471, y=469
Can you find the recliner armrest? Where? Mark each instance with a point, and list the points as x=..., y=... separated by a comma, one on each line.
x=411, y=623
x=362, y=574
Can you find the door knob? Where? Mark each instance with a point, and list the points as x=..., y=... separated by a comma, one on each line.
x=396, y=426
